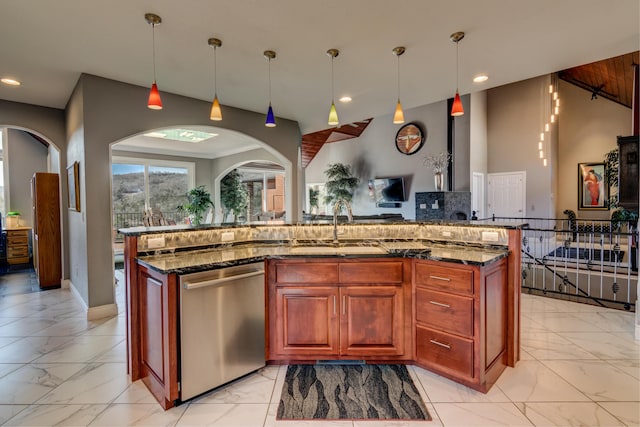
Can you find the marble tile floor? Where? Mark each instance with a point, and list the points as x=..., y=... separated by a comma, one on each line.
x=580, y=367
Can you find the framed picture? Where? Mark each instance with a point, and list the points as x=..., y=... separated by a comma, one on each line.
x=73, y=186
x=409, y=139
x=592, y=188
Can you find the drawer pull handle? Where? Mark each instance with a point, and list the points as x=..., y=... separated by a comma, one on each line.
x=344, y=305
x=440, y=344
x=446, y=279
x=440, y=304
x=334, y=306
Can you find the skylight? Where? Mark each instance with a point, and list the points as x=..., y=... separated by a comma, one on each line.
x=186, y=135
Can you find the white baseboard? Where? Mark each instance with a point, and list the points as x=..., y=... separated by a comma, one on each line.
x=93, y=313
x=65, y=283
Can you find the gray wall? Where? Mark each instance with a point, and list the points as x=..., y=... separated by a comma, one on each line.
x=588, y=130
x=514, y=122
x=25, y=156
x=374, y=155
x=106, y=111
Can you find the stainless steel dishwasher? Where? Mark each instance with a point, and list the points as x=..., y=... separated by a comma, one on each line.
x=221, y=326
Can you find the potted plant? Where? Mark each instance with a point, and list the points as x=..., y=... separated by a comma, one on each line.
x=233, y=195
x=199, y=200
x=340, y=187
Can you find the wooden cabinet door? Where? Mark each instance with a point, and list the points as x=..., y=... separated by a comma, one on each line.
x=307, y=321
x=157, y=296
x=372, y=321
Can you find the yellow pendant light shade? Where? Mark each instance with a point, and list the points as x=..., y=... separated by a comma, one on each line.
x=154, y=102
x=398, y=115
x=333, y=113
x=216, y=112
x=456, y=108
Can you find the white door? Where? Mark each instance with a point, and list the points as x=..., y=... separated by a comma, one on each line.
x=477, y=194
x=507, y=194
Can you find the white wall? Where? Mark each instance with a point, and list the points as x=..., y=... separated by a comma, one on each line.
x=374, y=155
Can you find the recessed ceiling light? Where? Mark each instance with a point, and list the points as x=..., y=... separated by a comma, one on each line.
x=10, y=82
x=345, y=99
x=481, y=78
x=186, y=135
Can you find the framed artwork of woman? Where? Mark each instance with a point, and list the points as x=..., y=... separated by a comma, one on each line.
x=592, y=188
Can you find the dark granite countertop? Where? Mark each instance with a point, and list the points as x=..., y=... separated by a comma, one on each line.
x=191, y=261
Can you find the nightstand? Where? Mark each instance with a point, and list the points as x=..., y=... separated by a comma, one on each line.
x=18, y=245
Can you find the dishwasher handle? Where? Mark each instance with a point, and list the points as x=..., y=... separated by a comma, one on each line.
x=201, y=284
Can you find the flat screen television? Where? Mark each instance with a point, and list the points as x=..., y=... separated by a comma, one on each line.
x=383, y=190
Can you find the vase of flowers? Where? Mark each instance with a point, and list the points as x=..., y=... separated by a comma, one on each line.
x=438, y=162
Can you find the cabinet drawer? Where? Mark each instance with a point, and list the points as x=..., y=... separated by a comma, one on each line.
x=371, y=272
x=17, y=239
x=17, y=251
x=307, y=273
x=451, y=313
x=445, y=278
x=446, y=351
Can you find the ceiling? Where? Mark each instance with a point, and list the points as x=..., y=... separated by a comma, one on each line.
x=47, y=44
x=611, y=78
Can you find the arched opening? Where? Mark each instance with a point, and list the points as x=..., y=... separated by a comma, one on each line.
x=23, y=153
x=152, y=170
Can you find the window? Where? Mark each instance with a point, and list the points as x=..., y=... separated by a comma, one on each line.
x=141, y=184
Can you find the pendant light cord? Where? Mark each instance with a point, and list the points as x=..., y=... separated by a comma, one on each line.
x=215, y=72
x=269, y=73
x=332, y=92
x=153, y=38
x=457, y=66
x=398, y=56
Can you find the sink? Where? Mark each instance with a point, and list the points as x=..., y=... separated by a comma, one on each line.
x=336, y=250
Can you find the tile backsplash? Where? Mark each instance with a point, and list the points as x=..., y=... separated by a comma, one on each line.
x=322, y=233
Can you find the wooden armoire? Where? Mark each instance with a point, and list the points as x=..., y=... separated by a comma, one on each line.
x=45, y=196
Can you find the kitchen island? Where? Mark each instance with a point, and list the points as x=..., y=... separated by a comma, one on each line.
x=441, y=295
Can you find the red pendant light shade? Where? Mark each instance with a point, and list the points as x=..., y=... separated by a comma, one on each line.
x=154, y=102
x=456, y=108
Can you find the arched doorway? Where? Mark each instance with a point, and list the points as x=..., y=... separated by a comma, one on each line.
x=23, y=153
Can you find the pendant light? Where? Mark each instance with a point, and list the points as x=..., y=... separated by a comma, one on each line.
x=270, y=122
x=456, y=108
x=216, y=113
x=154, y=102
x=333, y=114
x=398, y=115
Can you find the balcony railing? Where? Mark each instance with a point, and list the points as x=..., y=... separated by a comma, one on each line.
x=591, y=261
x=135, y=219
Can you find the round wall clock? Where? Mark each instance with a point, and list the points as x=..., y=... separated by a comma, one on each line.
x=409, y=139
